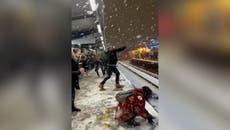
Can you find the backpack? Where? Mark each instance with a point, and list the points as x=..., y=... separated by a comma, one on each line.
x=121, y=96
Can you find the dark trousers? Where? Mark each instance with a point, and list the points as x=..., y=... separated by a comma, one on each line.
x=75, y=84
x=99, y=65
x=104, y=67
x=75, y=81
x=110, y=70
x=73, y=97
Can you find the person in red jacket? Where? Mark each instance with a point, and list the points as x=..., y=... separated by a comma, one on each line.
x=134, y=105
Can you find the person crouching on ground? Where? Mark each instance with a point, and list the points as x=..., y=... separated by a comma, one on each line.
x=132, y=104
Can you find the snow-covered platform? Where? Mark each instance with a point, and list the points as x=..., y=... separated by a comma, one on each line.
x=98, y=107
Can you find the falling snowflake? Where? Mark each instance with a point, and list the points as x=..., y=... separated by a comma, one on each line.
x=125, y=1
x=138, y=36
x=116, y=9
x=77, y=4
x=89, y=12
x=112, y=26
x=137, y=8
x=110, y=16
x=119, y=29
x=84, y=6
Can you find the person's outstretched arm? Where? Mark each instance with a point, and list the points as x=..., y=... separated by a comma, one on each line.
x=119, y=49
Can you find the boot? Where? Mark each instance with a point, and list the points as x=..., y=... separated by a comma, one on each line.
x=74, y=109
x=119, y=86
x=101, y=87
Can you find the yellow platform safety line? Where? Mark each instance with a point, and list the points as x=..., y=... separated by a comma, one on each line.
x=152, y=61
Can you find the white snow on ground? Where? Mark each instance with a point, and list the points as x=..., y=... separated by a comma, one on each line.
x=98, y=108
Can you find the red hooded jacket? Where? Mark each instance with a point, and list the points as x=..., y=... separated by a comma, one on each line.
x=133, y=106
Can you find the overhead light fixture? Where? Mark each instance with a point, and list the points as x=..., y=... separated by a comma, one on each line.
x=101, y=38
x=99, y=28
x=93, y=5
x=103, y=44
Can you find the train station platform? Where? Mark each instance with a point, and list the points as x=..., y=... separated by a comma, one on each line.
x=98, y=107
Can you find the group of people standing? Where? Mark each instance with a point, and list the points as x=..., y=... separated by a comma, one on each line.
x=82, y=63
x=133, y=103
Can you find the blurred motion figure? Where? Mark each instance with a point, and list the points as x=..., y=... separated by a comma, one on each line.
x=111, y=60
x=99, y=65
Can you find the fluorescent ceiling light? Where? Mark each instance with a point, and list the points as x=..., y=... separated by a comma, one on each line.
x=93, y=5
x=101, y=38
x=103, y=44
x=99, y=28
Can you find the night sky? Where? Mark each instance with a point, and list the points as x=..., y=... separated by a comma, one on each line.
x=130, y=22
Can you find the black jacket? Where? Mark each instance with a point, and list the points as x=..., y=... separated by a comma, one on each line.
x=75, y=67
x=111, y=56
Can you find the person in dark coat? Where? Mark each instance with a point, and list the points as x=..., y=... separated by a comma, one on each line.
x=99, y=65
x=111, y=60
x=75, y=79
